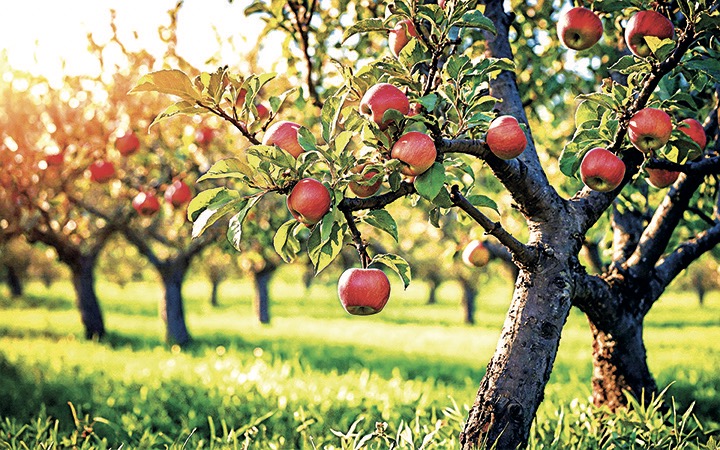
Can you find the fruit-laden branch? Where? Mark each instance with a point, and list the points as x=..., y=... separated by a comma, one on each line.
x=594, y=203
x=523, y=255
x=377, y=201
x=525, y=179
x=514, y=174
x=707, y=166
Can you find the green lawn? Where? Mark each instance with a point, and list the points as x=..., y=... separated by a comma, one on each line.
x=312, y=370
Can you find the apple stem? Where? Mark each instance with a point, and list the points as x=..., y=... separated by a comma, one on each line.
x=360, y=245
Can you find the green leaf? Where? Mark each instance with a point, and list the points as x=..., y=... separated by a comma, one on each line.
x=605, y=100
x=204, y=198
x=172, y=82
x=284, y=241
x=228, y=168
x=234, y=232
x=623, y=63
x=476, y=19
x=428, y=102
x=365, y=26
x=329, y=115
x=443, y=199
x=661, y=48
x=586, y=113
x=710, y=66
x=455, y=65
x=381, y=219
x=482, y=201
x=569, y=160
x=181, y=107
x=396, y=264
x=323, y=251
x=216, y=209
x=429, y=183
x=306, y=140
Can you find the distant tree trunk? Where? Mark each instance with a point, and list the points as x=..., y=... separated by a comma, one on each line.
x=433, y=282
x=214, y=292
x=262, y=295
x=83, y=277
x=620, y=364
x=172, y=273
x=468, y=300
x=14, y=282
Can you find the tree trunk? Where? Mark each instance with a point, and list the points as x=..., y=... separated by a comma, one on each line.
x=468, y=301
x=620, y=365
x=700, y=291
x=214, y=293
x=262, y=296
x=83, y=277
x=513, y=386
x=171, y=308
x=432, y=294
x=14, y=282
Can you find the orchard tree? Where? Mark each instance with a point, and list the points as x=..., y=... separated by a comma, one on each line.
x=446, y=101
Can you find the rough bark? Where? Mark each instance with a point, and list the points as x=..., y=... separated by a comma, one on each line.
x=513, y=385
x=83, y=278
x=620, y=365
x=262, y=279
x=14, y=281
x=172, y=273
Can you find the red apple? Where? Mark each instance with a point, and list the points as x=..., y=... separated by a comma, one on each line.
x=204, y=136
x=649, y=129
x=400, y=35
x=646, y=23
x=240, y=100
x=363, y=291
x=661, y=178
x=146, y=204
x=178, y=193
x=579, y=28
x=101, y=171
x=416, y=150
x=54, y=159
x=505, y=138
x=263, y=112
x=441, y=3
x=695, y=130
x=601, y=170
x=284, y=134
x=309, y=201
x=128, y=143
x=476, y=254
x=380, y=98
x=364, y=190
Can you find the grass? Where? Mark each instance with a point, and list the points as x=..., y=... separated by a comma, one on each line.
x=313, y=370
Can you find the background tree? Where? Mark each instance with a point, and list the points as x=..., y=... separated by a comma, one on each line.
x=458, y=81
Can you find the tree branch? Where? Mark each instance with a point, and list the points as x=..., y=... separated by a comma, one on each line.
x=377, y=201
x=523, y=255
x=595, y=203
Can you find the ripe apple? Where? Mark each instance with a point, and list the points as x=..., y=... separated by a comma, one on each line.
x=400, y=35
x=646, y=23
x=380, y=98
x=601, y=170
x=204, y=136
x=363, y=291
x=178, y=193
x=146, y=204
x=309, y=201
x=284, y=134
x=505, y=138
x=263, y=112
x=416, y=150
x=476, y=254
x=695, y=130
x=364, y=190
x=649, y=129
x=579, y=28
x=54, y=159
x=101, y=171
x=128, y=143
x=661, y=178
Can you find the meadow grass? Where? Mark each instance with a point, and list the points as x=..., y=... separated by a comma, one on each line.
x=314, y=369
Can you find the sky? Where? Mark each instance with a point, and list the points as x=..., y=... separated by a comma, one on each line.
x=39, y=35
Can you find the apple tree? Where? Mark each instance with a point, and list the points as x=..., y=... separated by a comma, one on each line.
x=446, y=110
